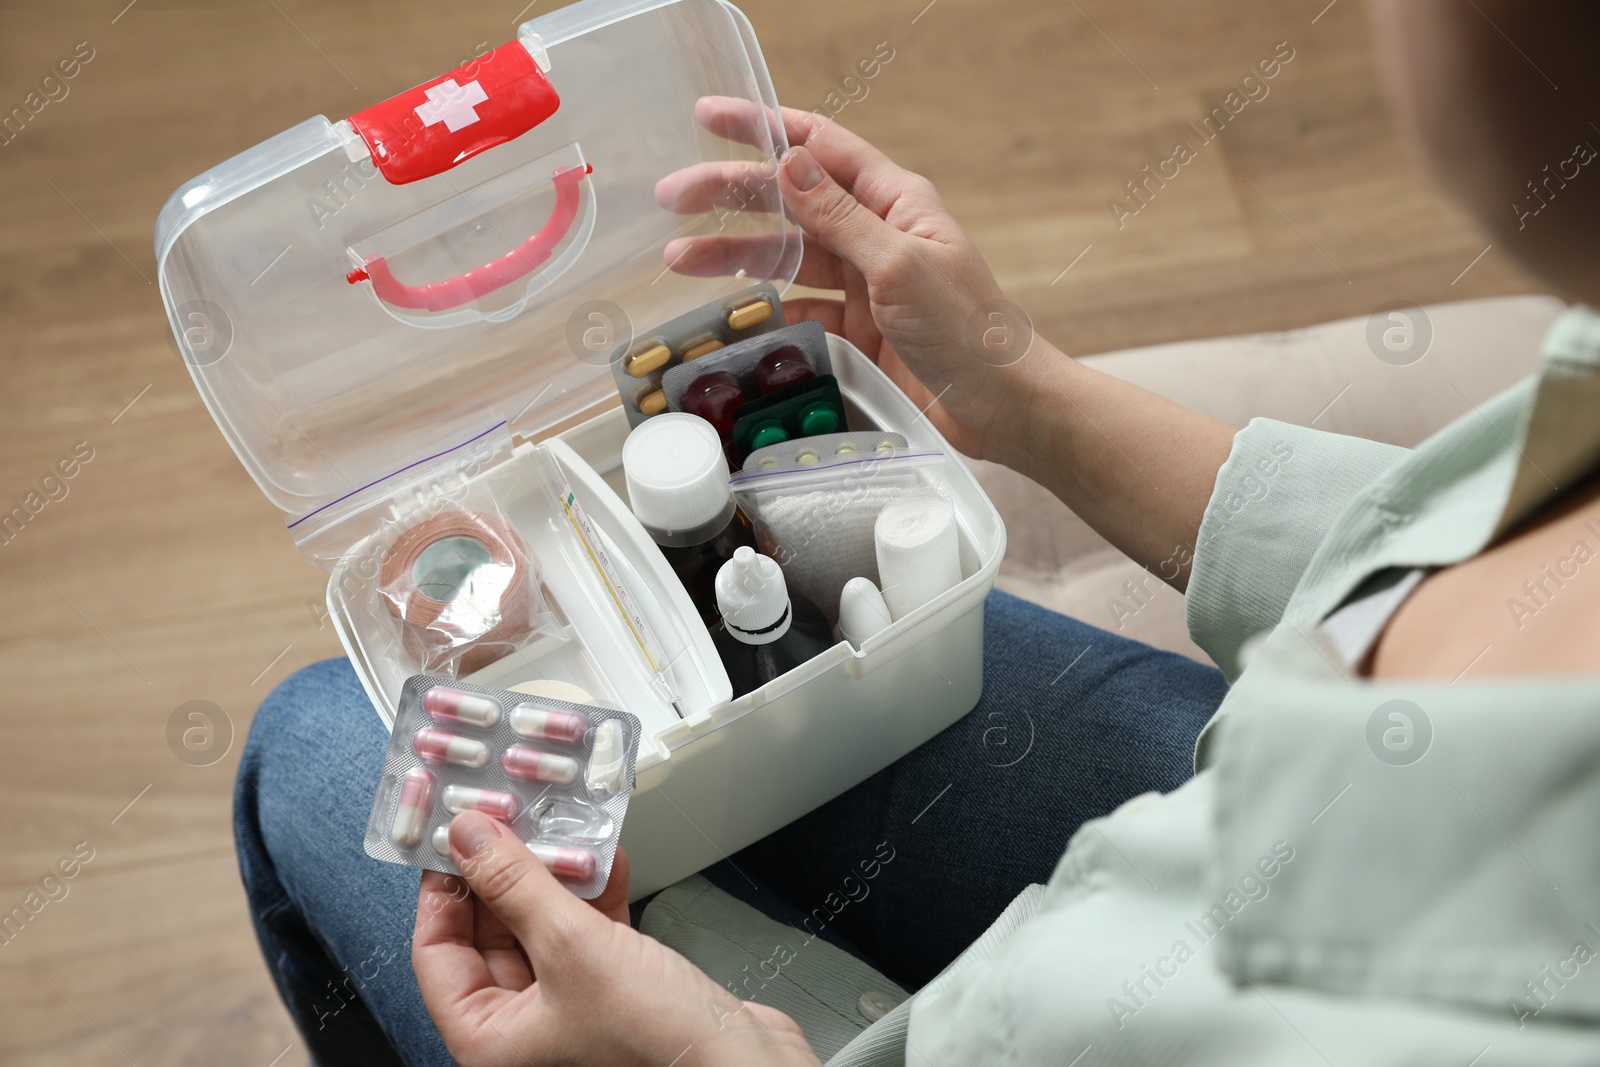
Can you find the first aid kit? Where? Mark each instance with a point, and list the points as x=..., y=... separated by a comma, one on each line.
x=405, y=323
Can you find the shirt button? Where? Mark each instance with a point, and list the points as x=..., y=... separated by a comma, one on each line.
x=874, y=1006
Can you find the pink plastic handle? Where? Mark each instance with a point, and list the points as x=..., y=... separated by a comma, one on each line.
x=517, y=263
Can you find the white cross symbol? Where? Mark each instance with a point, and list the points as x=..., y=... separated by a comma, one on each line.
x=452, y=104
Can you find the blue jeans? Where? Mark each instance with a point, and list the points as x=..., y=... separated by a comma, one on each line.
x=1073, y=721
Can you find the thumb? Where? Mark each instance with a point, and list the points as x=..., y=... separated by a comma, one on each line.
x=506, y=876
x=832, y=214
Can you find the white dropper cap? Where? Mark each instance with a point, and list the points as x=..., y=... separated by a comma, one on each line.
x=753, y=598
x=677, y=479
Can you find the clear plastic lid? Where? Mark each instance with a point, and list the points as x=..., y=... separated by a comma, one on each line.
x=343, y=328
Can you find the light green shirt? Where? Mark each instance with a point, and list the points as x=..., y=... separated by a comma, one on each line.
x=1362, y=871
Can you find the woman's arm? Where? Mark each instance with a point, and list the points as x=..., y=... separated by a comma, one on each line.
x=919, y=299
x=1135, y=466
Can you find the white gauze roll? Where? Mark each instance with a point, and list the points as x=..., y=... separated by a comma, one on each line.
x=919, y=553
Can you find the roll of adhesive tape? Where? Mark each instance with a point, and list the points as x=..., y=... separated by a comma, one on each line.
x=459, y=582
x=918, y=550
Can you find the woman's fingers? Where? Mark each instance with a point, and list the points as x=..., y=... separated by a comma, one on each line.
x=724, y=255
x=832, y=214
x=721, y=256
x=725, y=184
x=852, y=160
x=734, y=118
x=544, y=915
x=613, y=899
x=451, y=970
x=828, y=311
x=839, y=189
x=860, y=327
x=501, y=953
x=842, y=318
x=850, y=318
x=774, y=1020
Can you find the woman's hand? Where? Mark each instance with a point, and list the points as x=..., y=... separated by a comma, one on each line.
x=921, y=302
x=519, y=971
x=919, y=299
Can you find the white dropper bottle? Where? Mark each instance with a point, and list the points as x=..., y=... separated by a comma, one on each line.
x=765, y=632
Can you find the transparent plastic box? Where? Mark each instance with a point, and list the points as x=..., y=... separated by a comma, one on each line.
x=368, y=338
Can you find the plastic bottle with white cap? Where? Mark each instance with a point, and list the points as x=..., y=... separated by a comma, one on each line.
x=677, y=477
x=765, y=632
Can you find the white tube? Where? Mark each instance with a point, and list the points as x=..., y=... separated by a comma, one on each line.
x=862, y=611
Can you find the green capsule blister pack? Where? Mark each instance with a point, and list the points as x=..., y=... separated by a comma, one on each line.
x=805, y=410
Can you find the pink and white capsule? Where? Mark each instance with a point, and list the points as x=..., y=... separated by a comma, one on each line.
x=411, y=815
x=492, y=802
x=453, y=705
x=567, y=864
x=523, y=762
x=530, y=720
x=446, y=747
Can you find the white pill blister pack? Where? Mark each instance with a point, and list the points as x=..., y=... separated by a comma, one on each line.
x=558, y=773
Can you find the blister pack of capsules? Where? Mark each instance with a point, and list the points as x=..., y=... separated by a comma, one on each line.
x=558, y=773
x=640, y=365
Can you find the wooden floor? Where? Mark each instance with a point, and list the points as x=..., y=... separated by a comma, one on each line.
x=164, y=577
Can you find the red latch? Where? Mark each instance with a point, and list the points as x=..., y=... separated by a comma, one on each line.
x=488, y=101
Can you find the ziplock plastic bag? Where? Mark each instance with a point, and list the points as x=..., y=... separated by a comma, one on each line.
x=458, y=583
x=817, y=520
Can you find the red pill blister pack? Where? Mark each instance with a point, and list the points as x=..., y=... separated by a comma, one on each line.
x=559, y=774
x=758, y=366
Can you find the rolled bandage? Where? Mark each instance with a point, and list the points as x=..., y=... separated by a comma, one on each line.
x=460, y=584
x=919, y=552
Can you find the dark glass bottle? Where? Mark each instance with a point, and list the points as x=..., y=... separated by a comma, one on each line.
x=696, y=565
x=677, y=477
